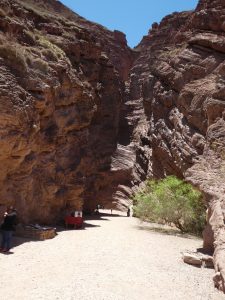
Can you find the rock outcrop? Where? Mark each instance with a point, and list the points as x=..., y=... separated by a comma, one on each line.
x=178, y=78
x=198, y=259
x=61, y=89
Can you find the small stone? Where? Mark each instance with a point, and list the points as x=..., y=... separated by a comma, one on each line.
x=192, y=259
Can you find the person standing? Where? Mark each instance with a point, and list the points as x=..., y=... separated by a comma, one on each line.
x=8, y=227
x=128, y=212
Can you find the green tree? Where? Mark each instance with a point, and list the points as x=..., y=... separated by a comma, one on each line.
x=171, y=201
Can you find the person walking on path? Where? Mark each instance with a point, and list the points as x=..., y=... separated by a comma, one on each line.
x=128, y=212
x=8, y=227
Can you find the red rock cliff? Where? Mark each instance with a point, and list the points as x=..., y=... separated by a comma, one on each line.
x=177, y=85
x=61, y=88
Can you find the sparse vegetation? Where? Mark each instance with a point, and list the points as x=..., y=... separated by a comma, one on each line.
x=2, y=13
x=170, y=53
x=40, y=64
x=56, y=51
x=43, y=11
x=13, y=54
x=20, y=58
x=5, y=10
x=35, y=9
x=171, y=201
x=30, y=37
x=49, y=55
x=218, y=147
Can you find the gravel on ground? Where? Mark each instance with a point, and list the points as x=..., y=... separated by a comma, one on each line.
x=113, y=258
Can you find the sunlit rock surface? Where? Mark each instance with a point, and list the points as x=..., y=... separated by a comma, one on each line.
x=179, y=79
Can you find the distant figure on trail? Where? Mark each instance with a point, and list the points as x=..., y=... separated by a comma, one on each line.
x=98, y=206
x=7, y=227
x=111, y=211
x=128, y=212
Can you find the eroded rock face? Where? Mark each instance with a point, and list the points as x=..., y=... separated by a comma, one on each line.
x=61, y=88
x=179, y=80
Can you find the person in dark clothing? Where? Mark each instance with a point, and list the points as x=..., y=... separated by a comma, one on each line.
x=7, y=227
x=128, y=212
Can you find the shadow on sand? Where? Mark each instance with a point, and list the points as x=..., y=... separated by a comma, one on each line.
x=86, y=225
x=165, y=230
x=204, y=251
x=102, y=216
x=17, y=241
x=7, y=253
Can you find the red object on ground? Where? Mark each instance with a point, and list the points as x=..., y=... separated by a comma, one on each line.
x=76, y=221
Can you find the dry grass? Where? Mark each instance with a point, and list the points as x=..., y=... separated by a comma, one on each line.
x=169, y=54
x=42, y=11
x=49, y=55
x=20, y=58
x=35, y=60
x=2, y=13
x=36, y=10
x=218, y=147
x=30, y=36
x=51, y=51
x=40, y=65
x=14, y=55
x=5, y=10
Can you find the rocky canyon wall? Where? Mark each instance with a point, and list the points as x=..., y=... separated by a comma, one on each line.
x=61, y=89
x=178, y=78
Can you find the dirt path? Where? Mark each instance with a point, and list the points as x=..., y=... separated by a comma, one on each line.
x=111, y=259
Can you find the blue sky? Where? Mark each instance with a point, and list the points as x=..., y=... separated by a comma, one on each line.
x=133, y=17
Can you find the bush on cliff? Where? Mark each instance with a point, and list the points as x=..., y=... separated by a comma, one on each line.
x=171, y=201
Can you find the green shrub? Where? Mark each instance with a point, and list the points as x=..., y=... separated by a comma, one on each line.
x=171, y=201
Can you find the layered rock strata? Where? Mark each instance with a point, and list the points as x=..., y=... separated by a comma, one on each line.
x=61, y=89
x=179, y=79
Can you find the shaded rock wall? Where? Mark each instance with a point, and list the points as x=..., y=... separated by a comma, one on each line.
x=61, y=88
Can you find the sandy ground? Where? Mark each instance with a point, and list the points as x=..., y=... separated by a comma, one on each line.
x=113, y=258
